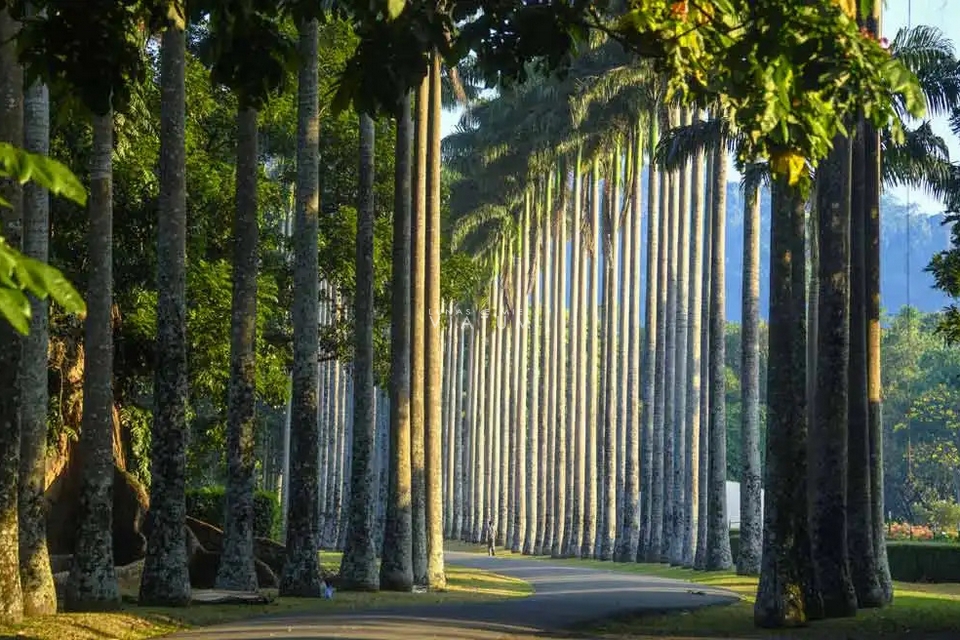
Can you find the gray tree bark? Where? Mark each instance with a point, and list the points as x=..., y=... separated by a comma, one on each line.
x=92, y=585
x=358, y=566
x=827, y=445
x=11, y=131
x=560, y=447
x=166, y=578
x=650, y=335
x=718, y=530
x=39, y=594
x=301, y=569
x=700, y=553
x=751, y=525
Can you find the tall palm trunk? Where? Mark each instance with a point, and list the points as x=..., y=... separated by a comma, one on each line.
x=863, y=565
x=610, y=522
x=630, y=530
x=418, y=321
x=546, y=371
x=573, y=513
x=535, y=380
x=496, y=393
x=625, y=288
x=551, y=289
x=396, y=561
x=680, y=366
x=506, y=404
x=301, y=570
x=521, y=349
x=694, y=350
x=490, y=405
x=39, y=595
x=236, y=570
x=479, y=426
x=358, y=567
x=456, y=430
x=827, y=445
x=700, y=554
x=872, y=284
x=577, y=538
x=560, y=448
x=751, y=526
x=659, y=445
x=468, y=430
x=590, y=505
x=650, y=334
x=718, y=530
x=92, y=584
x=785, y=574
x=166, y=579
x=447, y=411
x=11, y=131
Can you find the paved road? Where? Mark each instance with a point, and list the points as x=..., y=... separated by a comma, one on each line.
x=565, y=595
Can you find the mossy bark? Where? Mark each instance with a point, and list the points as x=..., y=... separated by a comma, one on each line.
x=301, y=569
x=11, y=131
x=236, y=570
x=396, y=564
x=166, y=578
x=92, y=585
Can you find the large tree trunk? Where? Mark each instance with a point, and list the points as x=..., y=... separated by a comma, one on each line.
x=670, y=370
x=92, y=585
x=650, y=333
x=534, y=378
x=571, y=539
x=827, y=446
x=785, y=574
x=507, y=365
x=11, y=131
x=433, y=425
x=546, y=367
x=632, y=241
x=591, y=506
x=521, y=353
x=39, y=595
x=718, y=531
x=237, y=570
x=578, y=541
x=680, y=366
x=496, y=393
x=652, y=550
x=166, y=578
x=863, y=564
x=358, y=567
x=548, y=438
x=396, y=563
x=751, y=526
x=700, y=553
x=560, y=412
x=301, y=570
x=418, y=303
x=456, y=429
x=608, y=385
x=694, y=350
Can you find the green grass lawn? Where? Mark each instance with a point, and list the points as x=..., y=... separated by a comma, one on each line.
x=134, y=623
x=919, y=610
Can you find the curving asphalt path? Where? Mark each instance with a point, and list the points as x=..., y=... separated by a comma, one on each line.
x=564, y=596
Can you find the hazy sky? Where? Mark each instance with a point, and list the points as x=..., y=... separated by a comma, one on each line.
x=897, y=14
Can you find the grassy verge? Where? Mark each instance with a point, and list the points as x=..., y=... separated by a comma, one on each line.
x=919, y=610
x=134, y=623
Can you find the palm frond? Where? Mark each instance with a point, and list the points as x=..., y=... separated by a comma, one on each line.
x=922, y=161
x=680, y=144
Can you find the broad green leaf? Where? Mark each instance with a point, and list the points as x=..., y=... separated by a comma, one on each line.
x=15, y=308
x=48, y=173
x=55, y=284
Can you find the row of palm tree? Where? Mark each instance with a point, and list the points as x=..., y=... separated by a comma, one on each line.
x=527, y=405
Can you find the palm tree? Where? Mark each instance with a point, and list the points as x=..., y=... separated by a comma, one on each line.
x=535, y=379
x=39, y=595
x=751, y=527
x=11, y=131
x=301, y=570
x=591, y=506
x=396, y=562
x=718, y=533
x=418, y=301
x=609, y=385
x=166, y=579
x=358, y=567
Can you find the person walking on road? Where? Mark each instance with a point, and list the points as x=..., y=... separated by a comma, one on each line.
x=488, y=536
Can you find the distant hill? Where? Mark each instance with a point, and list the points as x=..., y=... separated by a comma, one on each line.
x=925, y=237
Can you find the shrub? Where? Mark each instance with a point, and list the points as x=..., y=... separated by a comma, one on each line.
x=924, y=561
x=209, y=504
